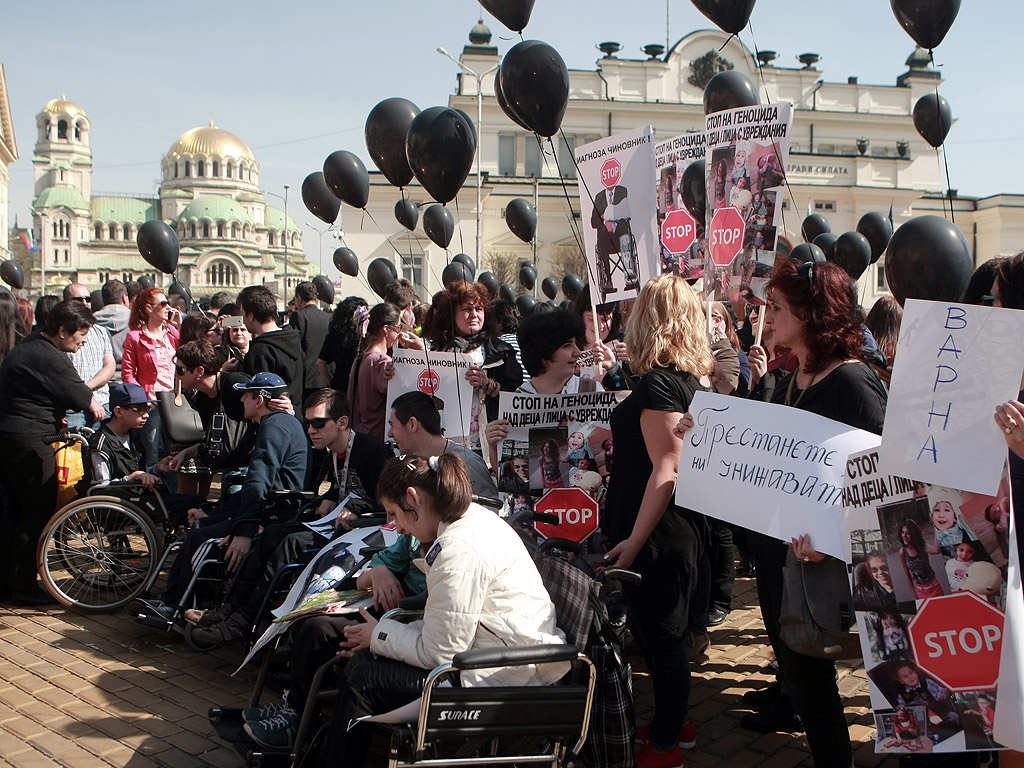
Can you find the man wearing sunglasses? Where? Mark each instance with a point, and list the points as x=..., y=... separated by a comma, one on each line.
x=94, y=361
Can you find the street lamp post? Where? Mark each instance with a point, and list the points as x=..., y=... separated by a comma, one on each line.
x=334, y=233
x=479, y=133
x=285, y=236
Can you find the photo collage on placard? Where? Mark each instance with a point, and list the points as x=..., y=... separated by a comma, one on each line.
x=933, y=542
x=689, y=265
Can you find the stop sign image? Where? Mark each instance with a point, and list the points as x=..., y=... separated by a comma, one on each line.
x=725, y=235
x=678, y=231
x=428, y=381
x=611, y=172
x=956, y=639
x=575, y=509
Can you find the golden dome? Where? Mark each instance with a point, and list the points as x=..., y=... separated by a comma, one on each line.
x=211, y=141
x=62, y=106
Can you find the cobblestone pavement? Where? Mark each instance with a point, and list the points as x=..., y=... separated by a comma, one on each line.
x=101, y=690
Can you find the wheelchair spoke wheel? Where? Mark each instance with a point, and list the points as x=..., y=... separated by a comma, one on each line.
x=97, y=554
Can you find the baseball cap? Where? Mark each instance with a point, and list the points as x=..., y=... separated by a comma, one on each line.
x=268, y=385
x=126, y=394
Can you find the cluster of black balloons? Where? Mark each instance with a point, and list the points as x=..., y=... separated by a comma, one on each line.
x=854, y=251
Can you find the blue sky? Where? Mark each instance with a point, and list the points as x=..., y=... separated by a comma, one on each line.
x=295, y=81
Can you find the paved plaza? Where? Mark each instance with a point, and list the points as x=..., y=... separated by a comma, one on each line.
x=100, y=690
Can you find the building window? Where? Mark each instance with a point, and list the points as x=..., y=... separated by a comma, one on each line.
x=412, y=269
x=188, y=168
x=270, y=238
x=55, y=229
x=206, y=229
x=221, y=273
x=56, y=256
x=566, y=147
x=227, y=169
x=65, y=255
x=220, y=229
x=201, y=168
x=62, y=129
x=531, y=156
x=192, y=229
x=824, y=205
x=98, y=231
x=112, y=231
x=78, y=131
x=880, y=283
x=126, y=232
x=234, y=231
x=507, y=154
x=175, y=169
x=295, y=239
x=214, y=169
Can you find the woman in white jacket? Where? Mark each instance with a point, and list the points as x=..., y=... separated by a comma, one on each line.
x=483, y=591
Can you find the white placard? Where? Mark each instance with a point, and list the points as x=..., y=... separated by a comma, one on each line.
x=769, y=468
x=954, y=364
x=441, y=374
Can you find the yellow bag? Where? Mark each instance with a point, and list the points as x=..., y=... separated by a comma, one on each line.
x=70, y=470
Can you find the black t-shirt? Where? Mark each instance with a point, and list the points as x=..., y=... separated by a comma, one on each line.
x=336, y=350
x=852, y=394
x=662, y=389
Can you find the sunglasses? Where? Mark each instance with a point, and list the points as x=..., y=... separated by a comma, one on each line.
x=806, y=271
x=163, y=303
x=84, y=299
x=143, y=408
x=317, y=423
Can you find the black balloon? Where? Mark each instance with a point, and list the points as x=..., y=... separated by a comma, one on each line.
x=318, y=198
x=465, y=258
x=347, y=178
x=928, y=258
x=926, y=21
x=525, y=303
x=324, y=289
x=346, y=262
x=455, y=272
x=571, y=286
x=549, y=286
x=535, y=84
x=933, y=118
x=12, y=273
x=514, y=14
x=565, y=304
x=814, y=225
x=488, y=281
x=852, y=252
x=506, y=292
x=729, y=15
x=527, y=275
x=407, y=213
x=503, y=103
x=827, y=242
x=693, y=188
x=178, y=288
x=439, y=225
x=805, y=252
x=728, y=90
x=877, y=228
x=440, y=147
x=146, y=282
x=158, y=245
x=387, y=125
x=521, y=219
x=379, y=274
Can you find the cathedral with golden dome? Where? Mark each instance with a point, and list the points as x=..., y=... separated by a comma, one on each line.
x=209, y=194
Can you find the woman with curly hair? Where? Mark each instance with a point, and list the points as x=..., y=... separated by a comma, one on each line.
x=341, y=346
x=668, y=349
x=914, y=556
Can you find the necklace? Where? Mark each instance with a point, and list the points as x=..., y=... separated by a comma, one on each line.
x=792, y=386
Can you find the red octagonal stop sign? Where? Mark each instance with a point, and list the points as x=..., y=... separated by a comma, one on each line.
x=956, y=639
x=611, y=170
x=428, y=381
x=678, y=231
x=725, y=235
x=575, y=509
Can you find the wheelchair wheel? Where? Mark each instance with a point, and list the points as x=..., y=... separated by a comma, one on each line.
x=98, y=553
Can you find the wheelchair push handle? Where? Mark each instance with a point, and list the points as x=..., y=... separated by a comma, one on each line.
x=482, y=658
x=487, y=501
x=70, y=435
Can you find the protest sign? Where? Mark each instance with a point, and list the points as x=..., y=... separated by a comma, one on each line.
x=954, y=364
x=929, y=584
x=443, y=376
x=768, y=468
x=555, y=441
x=747, y=151
x=682, y=236
x=619, y=214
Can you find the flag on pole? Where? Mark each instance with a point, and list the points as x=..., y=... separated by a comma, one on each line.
x=30, y=242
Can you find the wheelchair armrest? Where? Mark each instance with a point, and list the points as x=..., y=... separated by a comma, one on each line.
x=403, y=616
x=566, y=545
x=513, y=657
x=619, y=574
x=286, y=495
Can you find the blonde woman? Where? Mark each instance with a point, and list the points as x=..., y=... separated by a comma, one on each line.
x=668, y=349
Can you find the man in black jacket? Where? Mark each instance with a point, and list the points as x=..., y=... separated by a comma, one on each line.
x=273, y=350
x=311, y=323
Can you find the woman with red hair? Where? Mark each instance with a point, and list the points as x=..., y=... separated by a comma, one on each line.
x=813, y=311
x=148, y=359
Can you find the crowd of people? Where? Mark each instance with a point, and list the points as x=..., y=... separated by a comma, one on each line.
x=299, y=400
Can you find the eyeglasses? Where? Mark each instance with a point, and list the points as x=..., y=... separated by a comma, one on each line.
x=318, y=423
x=144, y=408
x=990, y=299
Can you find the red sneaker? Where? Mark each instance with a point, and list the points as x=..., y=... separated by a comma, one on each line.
x=648, y=757
x=687, y=736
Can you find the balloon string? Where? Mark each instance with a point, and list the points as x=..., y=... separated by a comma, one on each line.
x=462, y=244
x=942, y=146
x=583, y=182
x=408, y=262
x=728, y=40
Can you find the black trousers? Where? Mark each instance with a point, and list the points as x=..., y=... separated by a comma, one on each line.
x=279, y=545
x=28, y=470
x=372, y=685
x=317, y=641
x=809, y=681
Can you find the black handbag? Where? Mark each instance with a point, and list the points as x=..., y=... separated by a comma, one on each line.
x=181, y=422
x=817, y=617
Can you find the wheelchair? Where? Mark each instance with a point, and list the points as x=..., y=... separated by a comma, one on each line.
x=104, y=549
x=625, y=260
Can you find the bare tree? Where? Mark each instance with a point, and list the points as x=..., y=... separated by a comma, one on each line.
x=566, y=259
x=504, y=265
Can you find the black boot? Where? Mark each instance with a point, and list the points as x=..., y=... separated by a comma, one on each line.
x=765, y=698
x=779, y=718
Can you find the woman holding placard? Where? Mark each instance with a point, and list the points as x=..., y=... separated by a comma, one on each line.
x=813, y=311
x=668, y=348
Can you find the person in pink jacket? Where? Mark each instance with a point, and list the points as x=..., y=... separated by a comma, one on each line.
x=148, y=358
